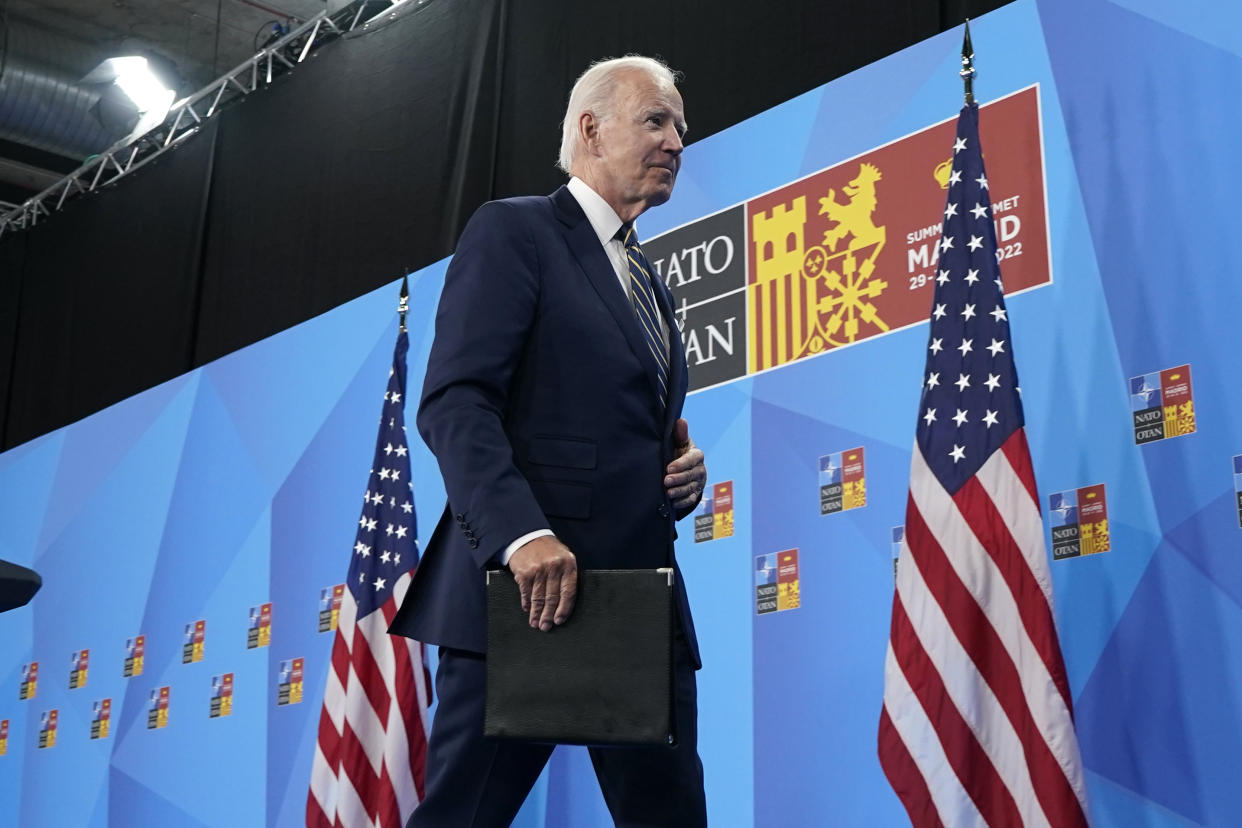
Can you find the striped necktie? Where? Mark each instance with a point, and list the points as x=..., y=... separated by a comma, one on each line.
x=645, y=307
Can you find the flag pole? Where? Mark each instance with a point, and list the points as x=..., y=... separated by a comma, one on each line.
x=968, y=66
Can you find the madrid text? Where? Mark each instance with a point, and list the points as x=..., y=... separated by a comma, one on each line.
x=923, y=245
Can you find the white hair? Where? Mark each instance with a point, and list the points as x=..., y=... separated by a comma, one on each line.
x=595, y=92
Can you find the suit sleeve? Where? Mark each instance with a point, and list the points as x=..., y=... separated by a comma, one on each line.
x=487, y=308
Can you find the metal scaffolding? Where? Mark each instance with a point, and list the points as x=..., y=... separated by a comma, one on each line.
x=188, y=114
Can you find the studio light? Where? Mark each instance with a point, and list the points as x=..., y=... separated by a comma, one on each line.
x=135, y=96
x=134, y=76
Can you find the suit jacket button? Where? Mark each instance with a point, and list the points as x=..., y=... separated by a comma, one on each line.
x=474, y=543
x=460, y=517
x=663, y=510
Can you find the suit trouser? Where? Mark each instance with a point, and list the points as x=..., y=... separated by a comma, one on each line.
x=473, y=782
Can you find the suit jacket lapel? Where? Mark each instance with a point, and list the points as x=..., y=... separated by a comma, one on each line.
x=594, y=262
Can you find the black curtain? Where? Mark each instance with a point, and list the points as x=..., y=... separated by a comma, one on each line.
x=365, y=162
x=106, y=294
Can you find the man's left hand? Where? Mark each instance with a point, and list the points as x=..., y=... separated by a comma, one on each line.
x=686, y=476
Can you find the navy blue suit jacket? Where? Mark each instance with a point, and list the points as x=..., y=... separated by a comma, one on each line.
x=541, y=408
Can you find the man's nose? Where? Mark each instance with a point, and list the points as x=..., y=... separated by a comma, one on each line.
x=672, y=142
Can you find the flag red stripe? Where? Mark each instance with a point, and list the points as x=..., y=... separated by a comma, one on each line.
x=315, y=817
x=407, y=700
x=1019, y=456
x=387, y=810
x=340, y=659
x=358, y=768
x=978, y=637
x=993, y=533
x=905, y=777
x=967, y=757
x=329, y=741
x=369, y=675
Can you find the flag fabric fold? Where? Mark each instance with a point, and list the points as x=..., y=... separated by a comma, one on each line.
x=370, y=754
x=977, y=723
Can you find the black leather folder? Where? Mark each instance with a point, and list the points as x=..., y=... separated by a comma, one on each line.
x=604, y=677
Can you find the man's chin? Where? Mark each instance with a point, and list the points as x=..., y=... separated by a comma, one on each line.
x=660, y=195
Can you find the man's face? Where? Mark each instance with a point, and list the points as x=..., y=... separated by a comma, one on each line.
x=640, y=144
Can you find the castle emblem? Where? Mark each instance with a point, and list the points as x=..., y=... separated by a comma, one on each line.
x=808, y=299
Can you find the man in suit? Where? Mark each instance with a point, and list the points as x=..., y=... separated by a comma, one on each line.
x=552, y=402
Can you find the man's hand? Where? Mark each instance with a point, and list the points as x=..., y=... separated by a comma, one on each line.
x=547, y=576
x=686, y=476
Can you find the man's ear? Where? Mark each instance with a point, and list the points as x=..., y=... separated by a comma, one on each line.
x=588, y=132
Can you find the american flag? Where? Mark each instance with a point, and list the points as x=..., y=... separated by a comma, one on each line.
x=977, y=726
x=371, y=752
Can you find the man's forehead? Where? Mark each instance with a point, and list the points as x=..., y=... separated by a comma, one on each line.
x=647, y=90
x=669, y=96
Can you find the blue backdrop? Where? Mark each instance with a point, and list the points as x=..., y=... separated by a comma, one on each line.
x=237, y=484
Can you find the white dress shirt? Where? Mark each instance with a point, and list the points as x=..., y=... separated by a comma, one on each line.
x=605, y=222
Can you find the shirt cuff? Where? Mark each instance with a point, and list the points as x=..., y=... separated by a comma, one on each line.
x=520, y=542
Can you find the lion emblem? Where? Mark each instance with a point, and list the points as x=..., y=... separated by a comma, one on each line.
x=854, y=216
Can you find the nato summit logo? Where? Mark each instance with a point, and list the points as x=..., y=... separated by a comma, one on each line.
x=1163, y=405
x=289, y=683
x=1079, y=519
x=330, y=599
x=221, y=696
x=713, y=517
x=259, y=629
x=30, y=681
x=193, y=641
x=776, y=582
x=101, y=718
x=135, y=655
x=47, y=728
x=78, y=664
x=842, y=481
x=157, y=707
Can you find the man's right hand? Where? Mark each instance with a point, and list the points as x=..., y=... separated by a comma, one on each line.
x=547, y=576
